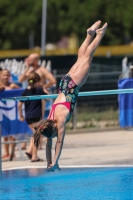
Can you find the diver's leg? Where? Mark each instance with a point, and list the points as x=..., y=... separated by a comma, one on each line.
x=95, y=43
x=90, y=33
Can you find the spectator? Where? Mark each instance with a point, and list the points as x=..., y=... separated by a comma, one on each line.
x=1, y=87
x=4, y=80
x=34, y=111
x=0, y=71
x=32, y=61
x=6, y=85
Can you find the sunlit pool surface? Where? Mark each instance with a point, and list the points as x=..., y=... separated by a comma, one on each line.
x=69, y=183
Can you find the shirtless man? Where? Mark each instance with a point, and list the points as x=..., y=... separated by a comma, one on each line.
x=32, y=61
x=32, y=65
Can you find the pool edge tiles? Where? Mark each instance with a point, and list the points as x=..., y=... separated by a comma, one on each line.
x=72, y=166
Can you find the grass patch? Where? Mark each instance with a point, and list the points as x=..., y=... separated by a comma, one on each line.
x=90, y=118
x=91, y=114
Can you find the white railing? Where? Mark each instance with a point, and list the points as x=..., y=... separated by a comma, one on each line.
x=16, y=68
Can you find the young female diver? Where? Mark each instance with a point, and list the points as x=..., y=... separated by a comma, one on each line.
x=69, y=87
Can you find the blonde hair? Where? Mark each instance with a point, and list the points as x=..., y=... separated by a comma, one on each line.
x=46, y=128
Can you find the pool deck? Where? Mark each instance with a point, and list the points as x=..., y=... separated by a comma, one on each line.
x=85, y=147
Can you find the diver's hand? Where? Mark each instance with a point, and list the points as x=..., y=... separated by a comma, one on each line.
x=52, y=167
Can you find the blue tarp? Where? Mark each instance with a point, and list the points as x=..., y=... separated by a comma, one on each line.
x=9, y=118
x=125, y=103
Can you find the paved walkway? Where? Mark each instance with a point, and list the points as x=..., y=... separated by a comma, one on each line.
x=86, y=148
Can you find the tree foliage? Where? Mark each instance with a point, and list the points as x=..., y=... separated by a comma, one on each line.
x=19, y=19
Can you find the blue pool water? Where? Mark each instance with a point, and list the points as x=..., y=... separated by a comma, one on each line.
x=71, y=183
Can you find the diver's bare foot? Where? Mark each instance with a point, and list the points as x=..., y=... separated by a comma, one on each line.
x=101, y=31
x=92, y=30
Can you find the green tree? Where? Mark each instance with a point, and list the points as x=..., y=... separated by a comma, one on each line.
x=76, y=15
x=19, y=19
